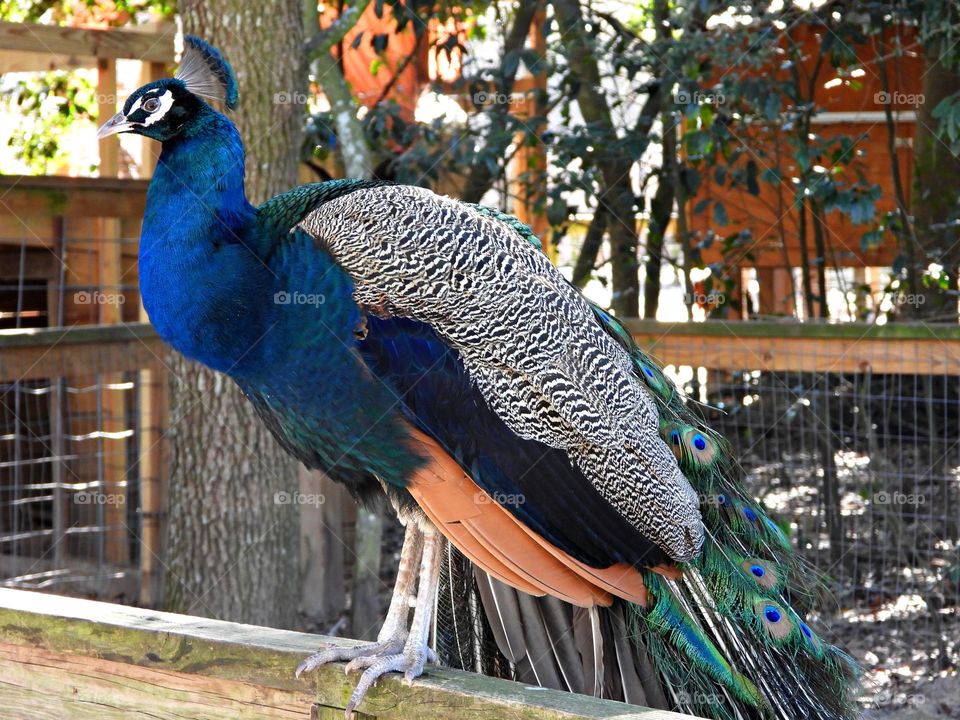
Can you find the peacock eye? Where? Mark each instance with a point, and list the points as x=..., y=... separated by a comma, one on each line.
x=151, y=105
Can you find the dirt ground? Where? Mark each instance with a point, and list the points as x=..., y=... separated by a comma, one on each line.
x=901, y=681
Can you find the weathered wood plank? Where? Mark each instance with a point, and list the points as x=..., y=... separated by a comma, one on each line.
x=88, y=42
x=78, y=335
x=154, y=407
x=26, y=354
x=60, y=657
x=27, y=196
x=106, y=108
x=793, y=329
x=834, y=355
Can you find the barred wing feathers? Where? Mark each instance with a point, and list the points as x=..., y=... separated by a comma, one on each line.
x=529, y=342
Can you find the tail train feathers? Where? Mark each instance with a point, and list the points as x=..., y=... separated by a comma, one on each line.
x=722, y=638
x=735, y=613
x=553, y=644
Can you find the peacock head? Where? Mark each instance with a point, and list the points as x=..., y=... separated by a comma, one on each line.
x=166, y=108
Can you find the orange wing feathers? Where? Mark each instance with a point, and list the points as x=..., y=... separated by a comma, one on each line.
x=496, y=541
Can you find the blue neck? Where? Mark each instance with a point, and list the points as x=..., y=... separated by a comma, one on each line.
x=199, y=277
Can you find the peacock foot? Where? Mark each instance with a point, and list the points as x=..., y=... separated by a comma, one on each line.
x=364, y=655
x=410, y=661
x=397, y=649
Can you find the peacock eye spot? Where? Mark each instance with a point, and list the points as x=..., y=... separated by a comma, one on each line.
x=675, y=437
x=648, y=372
x=699, y=442
x=806, y=630
x=758, y=570
x=771, y=614
x=151, y=105
x=749, y=514
x=722, y=499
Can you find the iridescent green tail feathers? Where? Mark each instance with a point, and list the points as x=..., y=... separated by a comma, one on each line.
x=735, y=614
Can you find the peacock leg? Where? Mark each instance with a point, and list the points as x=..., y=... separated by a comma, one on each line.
x=416, y=651
x=393, y=632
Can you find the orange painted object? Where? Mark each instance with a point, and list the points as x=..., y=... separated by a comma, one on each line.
x=770, y=217
x=425, y=65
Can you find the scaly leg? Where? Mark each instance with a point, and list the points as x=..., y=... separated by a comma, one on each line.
x=393, y=633
x=416, y=651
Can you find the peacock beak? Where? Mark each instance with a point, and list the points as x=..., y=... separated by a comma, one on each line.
x=117, y=124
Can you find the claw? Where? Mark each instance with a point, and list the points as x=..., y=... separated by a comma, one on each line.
x=356, y=657
x=374, y=653
x=398, y=649
x=410, y=662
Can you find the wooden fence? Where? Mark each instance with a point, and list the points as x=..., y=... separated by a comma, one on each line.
x=909, y=348
x=70, y=658
x=93, y=451
x=134, y=351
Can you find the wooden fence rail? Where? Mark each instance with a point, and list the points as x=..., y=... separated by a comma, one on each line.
x=112, y=350
x=70, y=658
x=851, y=347
x=908, y=348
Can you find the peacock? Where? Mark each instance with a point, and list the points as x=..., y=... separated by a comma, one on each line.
x=425, y=351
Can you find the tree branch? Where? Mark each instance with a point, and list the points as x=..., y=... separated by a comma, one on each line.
x=614, y=165
x=323, y=42
x=481, y=177
x=343, y=106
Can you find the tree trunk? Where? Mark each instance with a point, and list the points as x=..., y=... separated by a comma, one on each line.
x=617, y=194
x=660, y=211
x=232, y=545
x=481, y=176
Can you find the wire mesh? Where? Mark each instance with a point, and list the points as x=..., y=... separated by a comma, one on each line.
x=69, y=486
x=864, y=468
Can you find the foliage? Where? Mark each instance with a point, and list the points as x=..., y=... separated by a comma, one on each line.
x=54, y=101
x=68, y=12
x=740, y=125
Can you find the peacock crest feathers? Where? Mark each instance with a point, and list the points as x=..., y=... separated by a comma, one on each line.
x=205, y=72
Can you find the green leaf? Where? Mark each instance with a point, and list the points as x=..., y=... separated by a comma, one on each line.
x=379, y=42
x=771, y=106
x=720, y=214
x=720, y=174
x=771, y=175
x=870, y=239
x=557, y=211
x=753, y=187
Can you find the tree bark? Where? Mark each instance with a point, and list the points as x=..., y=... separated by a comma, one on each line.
x=592, y=242
x=327, y=68
x=660, y=211
x=232, y=531
x=617, y=194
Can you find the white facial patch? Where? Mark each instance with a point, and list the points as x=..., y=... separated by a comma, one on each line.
x=166, y=102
